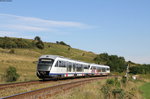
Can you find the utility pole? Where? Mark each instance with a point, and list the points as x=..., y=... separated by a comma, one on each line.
x=127, y=71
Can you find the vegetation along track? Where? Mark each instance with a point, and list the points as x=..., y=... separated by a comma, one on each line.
x=49, y=91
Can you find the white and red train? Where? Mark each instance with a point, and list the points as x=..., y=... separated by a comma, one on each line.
x=53, y=66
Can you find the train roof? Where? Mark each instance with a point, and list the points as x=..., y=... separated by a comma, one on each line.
x=50, y=56
x=57, y=56
x=100, y=65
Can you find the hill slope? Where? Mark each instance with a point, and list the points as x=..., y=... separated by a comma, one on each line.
x=24, y=59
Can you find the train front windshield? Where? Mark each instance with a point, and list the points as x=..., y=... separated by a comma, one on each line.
x=45, y=63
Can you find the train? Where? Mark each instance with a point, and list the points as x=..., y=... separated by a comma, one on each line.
x=54, y=66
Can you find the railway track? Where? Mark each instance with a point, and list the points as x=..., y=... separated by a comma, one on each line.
x=53, y=90
x=11, y=85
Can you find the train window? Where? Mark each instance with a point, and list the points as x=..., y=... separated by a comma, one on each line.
x=86, y=67
x=62, y=64
x=103, y=69
x=56, y=65
x=108, y=69
x=93, y=67
x=45, y=61
x=98, y=69
x=79, y=68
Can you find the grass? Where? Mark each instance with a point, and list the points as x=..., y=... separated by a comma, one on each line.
x=87, y=91
x=145, y=88
x=94, y=91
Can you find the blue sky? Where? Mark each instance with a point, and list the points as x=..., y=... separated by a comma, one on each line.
x=118, y=27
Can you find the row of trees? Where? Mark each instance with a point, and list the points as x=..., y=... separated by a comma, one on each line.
x=62, y=43
x=6, y=42
x=116, y=63
x=140, y=69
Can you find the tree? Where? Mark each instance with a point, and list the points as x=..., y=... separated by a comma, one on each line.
x=116, y=63
x=140, y=69
x=38, y=42
x=8, y=43
x=37, y=38
x=102, y=58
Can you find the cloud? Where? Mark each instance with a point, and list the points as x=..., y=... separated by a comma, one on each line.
x=6, y=32
x=21, y=26
x=24, y=27
x=30, y=24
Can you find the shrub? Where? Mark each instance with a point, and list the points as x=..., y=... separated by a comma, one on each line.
x=11, y=74
x=118, y=93
x=40, y=45
x=69, y=49
x=7, y=42
x=49, y=46
x=106, y=91
x=12, y=51
x=124, y=79
x=110, y=81
x=62, y=43
x=83, y=54
x=117, y=82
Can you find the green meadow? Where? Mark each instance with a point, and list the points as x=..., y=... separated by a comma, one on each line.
x=145, y=88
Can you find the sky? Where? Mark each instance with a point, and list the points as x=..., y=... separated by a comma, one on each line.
x=116, y=27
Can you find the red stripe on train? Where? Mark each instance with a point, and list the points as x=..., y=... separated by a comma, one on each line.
x=66, y=74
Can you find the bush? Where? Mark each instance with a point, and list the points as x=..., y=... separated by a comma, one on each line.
x=11, y=74
x=106, y=91
x=12, y=51
x=110, y=81
x=7, y=42
x=40, y=45
x=62, y=43
x=83, y=54
x=117, y=82
x=118, y=93
x=69, y=49
x=124, y=79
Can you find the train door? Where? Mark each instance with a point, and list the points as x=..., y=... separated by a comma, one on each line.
x=69, y=67
x=74, y=68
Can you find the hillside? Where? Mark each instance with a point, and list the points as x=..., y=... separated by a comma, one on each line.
x=24, y=59
x=23, y=54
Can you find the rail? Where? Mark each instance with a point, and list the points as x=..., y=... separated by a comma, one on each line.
x=53, y=90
